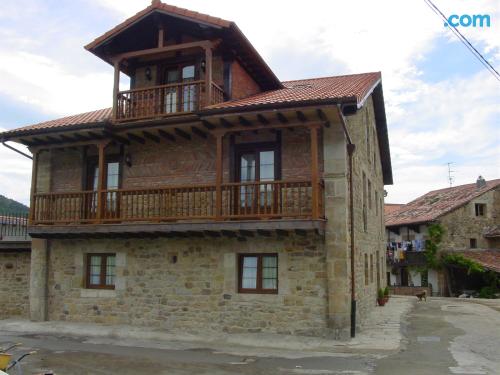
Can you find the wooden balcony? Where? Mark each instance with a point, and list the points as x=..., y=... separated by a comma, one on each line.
x=239, y=201
x=166, y=100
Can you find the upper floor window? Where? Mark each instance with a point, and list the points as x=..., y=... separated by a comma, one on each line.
x=101, y=271
x=480, y=209
x=366, y=270
x=181, y=95
x=258, y=273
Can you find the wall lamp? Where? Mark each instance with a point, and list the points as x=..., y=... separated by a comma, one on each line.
x=148, y=73
x=128, y=160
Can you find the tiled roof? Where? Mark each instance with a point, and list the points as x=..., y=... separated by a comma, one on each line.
x=389, y=208
x=437, y=203
x=157, y=5
x=98, y=117
x=492, y=232
x=489, y=259
x=354, y=87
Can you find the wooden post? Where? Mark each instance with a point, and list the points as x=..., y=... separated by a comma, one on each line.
x=161, y=36
x=101, y=182
x=34, y=178
x=208, y=76
x=219, y=136
x=314, y=171
x=116, y=89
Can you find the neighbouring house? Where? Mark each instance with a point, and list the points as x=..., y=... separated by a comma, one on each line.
x=211, y=196
x=470, y=217
x=15, y=247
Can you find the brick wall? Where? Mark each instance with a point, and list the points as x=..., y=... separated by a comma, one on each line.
x=14, y=284
x=198, y=292
x=242, y=85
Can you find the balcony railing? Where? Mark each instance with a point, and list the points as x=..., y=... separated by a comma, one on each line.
x=164, y=100
x=13, y=226
x=248, y=200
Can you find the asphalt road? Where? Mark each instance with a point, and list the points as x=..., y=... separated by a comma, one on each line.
x=441, y=336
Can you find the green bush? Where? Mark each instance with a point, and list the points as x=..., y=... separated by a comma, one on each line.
x=381, y=293
x=488, y=292
x=386, y=291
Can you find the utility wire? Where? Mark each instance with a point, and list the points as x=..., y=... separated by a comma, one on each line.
x=465, y=41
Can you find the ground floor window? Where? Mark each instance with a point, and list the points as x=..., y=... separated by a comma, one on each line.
x=101, y=271
x=258, y=273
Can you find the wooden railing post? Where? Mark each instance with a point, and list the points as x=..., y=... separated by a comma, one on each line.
x=208, y=76
x=101, y=182
x=219, y=136
x=314, y=130
x=34, y=178
x=116, y=88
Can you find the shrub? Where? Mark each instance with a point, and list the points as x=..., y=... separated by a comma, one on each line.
x=488, y=292
x=380, y=293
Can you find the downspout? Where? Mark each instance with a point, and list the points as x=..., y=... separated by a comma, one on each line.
x=350, y=151
x=16, y=150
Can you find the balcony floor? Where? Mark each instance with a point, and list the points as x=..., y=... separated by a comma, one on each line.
x=231, y=229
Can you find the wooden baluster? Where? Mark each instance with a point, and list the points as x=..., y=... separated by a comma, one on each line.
x=314, y=130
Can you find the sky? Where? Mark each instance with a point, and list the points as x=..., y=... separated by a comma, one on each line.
x=442, y=106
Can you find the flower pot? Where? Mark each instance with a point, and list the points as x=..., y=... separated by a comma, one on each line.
x=381, y=301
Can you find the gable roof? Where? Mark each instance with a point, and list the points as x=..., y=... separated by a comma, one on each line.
x=389, y=208
x=337, y=88
x=434, y=204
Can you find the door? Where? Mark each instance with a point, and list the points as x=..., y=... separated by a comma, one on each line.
x=111, y=200
x=181, y=96
x=254, y=167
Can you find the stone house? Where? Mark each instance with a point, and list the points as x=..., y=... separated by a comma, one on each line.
x=211, y=196
x=15, y=247
x=469, y=215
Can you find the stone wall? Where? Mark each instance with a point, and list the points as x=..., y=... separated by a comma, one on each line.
x=369, y=241
x=14, y=284
x=198, y=292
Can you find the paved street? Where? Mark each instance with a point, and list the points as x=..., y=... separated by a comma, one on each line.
x=440, y=336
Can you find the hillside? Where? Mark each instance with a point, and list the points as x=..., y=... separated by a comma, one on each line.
x=11, y=206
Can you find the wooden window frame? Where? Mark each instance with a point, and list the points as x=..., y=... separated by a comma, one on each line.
x=258, y=289
x=473, y=243
x=480, y=209
x=102, y=276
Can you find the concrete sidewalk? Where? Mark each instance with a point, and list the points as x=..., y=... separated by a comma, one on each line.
x=381, y=333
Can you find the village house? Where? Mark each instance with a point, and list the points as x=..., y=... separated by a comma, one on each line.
x=470, y=217
x=211, y=196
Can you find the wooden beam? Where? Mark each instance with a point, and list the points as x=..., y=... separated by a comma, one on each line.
x=246, y=233
x=116, y=137
x=65, y=138
x=52, y=139
x=301, y=116
x=282, y=233
x=155, y=51
x=136, y=138
x=161, y=36
x=101, y=181
x=116, y=88
x=314, y=130
x=212, y=233
x=182, y=133
x=81, y=137
x=208, y=76
x=151, y=136
x=225, y=123
x=34, y=180
x=263, y=120
x=228, y=233
x=281, y=118
x=198, y=132
x=95, y=135
x=218, y=175
x=208, y=125
x=244, y=121
x=264, y=232
x=166, y=135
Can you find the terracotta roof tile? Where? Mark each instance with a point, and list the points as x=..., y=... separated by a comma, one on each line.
x=98, y=117
x=437, y=203
x=389, y=208
x=489, y=259
x=352, y=87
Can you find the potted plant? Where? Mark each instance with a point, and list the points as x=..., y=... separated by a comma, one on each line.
x=380, y=297
x=386, y=294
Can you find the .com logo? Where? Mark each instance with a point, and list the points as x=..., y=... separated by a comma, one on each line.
x=466, y=20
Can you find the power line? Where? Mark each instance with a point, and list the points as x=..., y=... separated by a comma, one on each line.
x=464, y=41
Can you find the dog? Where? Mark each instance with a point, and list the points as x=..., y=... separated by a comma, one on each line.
x=422, y=296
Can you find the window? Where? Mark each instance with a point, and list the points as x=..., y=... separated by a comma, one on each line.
x=366, y=269
x=480, y=209
x=371, y=268
x=101, y=271
x=473, y=243
x=376, y=203
x=370, y=194
x=258, y=273
x=365, y=214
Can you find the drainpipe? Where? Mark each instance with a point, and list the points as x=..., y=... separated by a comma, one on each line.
x=16, y=150
x=350, y=151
